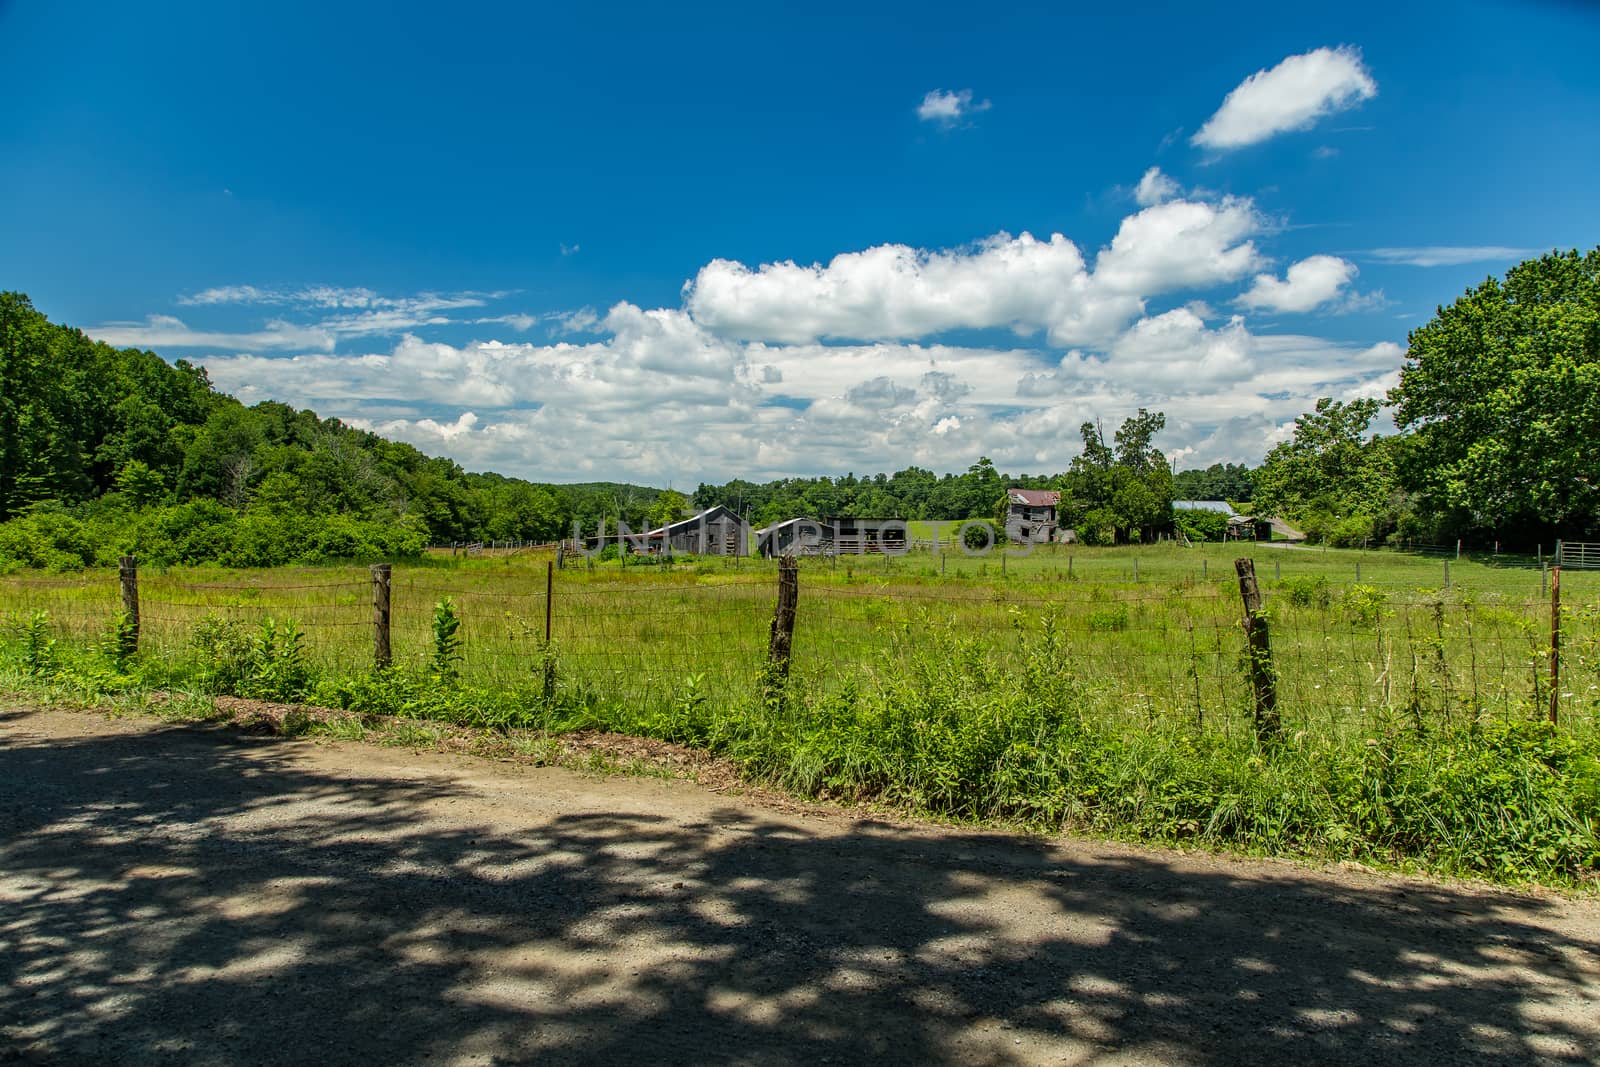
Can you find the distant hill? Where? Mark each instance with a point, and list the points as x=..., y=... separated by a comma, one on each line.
x=105, y=450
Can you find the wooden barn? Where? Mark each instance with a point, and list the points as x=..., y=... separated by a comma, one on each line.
x=835, y=534
x=715, y=531
x=794, y=537
x=855, y=535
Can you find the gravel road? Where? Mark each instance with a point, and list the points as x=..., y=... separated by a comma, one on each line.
x=195, y=895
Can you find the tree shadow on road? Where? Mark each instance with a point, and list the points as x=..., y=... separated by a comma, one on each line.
x=192, y=895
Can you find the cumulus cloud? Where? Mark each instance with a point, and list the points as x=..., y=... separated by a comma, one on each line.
x=1308, y=284
x=1449, y=255
x=1154, y=188
x=1291, y=96
x=895, y=291
x=949, y=108
x=657, y=396
x=1180, y=244
x=1019, y=283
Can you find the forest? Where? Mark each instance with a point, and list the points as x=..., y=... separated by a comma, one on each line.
x=106, y=451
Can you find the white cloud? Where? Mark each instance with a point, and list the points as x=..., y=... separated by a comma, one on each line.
x=520, y=323
x=1309, y=284
x=1154, y=188
x=1291, y=96
x=1449, y=255
x=658, y=397
x=166, y=331
x=336, y=297
x=895, y=292
x=949, y=108
x=1180, y=244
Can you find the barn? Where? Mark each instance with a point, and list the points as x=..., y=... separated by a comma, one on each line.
x=835, y=534
x=715, y=531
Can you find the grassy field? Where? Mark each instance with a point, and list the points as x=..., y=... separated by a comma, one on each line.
x=1104, y=687
x=1154, y=630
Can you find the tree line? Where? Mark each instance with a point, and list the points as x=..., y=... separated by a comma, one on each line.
x=105, y=451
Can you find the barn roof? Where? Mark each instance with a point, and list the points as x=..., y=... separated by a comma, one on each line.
x=1034, y=498
x=711, y=514
x=1205, y=505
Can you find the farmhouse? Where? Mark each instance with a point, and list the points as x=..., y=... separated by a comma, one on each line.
x=1031, y=514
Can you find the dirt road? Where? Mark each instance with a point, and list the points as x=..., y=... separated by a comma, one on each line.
x=192, y=895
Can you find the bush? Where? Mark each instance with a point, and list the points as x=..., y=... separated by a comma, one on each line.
x=48, y=539
x=1199, y=524
x=1307, y=591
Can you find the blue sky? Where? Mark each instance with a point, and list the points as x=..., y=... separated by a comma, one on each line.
x=745, y=240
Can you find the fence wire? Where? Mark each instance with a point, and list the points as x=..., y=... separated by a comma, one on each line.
x=1347, y=656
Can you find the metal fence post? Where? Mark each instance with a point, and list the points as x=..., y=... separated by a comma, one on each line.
x=128, y=635
x=381, y=655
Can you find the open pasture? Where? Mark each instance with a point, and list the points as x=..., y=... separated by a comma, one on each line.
x=1150, y=634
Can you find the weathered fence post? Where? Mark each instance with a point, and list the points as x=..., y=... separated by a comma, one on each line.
x=780, y=645
x=1447, y=574
x=549, y=617
x=1263, y=680
x=1555, y=642
x=381, y=656
x=128, y=635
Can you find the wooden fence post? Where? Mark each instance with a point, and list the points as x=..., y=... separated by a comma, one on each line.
x=1555, y=642
x=1263, y=679
x=780, y=645
x=128, y=637
x=549, y=616
x=381, y=655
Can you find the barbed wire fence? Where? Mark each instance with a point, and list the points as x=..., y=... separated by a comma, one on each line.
x=1144, y=653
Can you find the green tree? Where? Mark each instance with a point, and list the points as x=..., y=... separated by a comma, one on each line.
x=1118, y=492
x=1501, y=393
x=668, y=508
x=1328, y=467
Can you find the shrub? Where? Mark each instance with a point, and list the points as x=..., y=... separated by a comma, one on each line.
x=1307, y=591
x=1200, y=524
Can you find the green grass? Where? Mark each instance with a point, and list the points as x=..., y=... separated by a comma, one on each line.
x=1061, y=692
